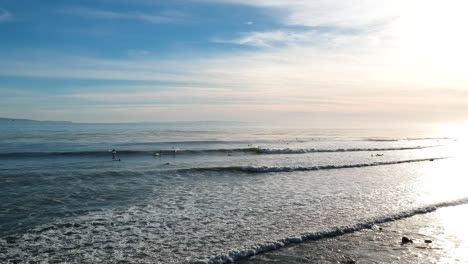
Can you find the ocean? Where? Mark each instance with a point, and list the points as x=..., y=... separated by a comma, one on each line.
x=209, y=192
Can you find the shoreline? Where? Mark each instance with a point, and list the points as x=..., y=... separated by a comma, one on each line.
x=334, y=233
x=439, y=236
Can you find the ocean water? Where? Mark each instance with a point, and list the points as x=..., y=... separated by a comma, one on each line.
x=443, y=240
x=209, y=192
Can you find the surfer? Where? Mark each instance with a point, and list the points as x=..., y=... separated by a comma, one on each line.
x=113, y=155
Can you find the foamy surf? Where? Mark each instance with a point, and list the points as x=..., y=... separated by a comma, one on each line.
x=223, y=151
x=236, y=255
x=266, y=169
x=180, y=196
x=314, y=150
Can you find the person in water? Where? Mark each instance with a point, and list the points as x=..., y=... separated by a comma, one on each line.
x=113, y=154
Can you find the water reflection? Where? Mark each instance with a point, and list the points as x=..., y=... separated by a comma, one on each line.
x=452, y=238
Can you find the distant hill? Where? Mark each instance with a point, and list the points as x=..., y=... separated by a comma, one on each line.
x=4, y=120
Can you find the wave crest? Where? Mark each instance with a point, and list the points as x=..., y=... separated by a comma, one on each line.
x=251, y=150
x=260, y=248
x=313, y=150
x=266, y=169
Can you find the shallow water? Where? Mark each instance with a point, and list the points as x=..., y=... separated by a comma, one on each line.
x=438, y=237
x=194, y=191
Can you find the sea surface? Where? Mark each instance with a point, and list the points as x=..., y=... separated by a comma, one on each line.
x=209, y=192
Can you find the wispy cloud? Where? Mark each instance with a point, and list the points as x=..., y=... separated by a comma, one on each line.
x=317, y=22
x=281, y=38
x=324, y=13
x=268, y=38
x=164, y=17
x=5, y=15
x=322, y=58
x=138, y=53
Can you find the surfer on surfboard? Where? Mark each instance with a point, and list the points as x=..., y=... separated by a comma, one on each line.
x=114, y=152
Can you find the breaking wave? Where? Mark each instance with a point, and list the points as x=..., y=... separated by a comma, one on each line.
x=312, y=150
x=251, y=150
x=407, y=139
x=245, y=253
x=266, y=169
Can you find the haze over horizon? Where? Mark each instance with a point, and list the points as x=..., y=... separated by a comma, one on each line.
x=328, y=62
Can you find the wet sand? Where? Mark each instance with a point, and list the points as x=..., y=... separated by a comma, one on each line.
x=438, y=237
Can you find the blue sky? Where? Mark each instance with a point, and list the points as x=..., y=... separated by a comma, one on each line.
x=257, y=60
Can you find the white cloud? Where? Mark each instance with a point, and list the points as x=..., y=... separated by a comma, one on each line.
x=326, y=12
x=165, y=17
x=5, y=15
x=268, y=38
x=278, y=38
x=138, y=53
x=410, y=66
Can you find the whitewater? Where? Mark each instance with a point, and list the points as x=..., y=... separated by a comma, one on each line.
x=209, y=192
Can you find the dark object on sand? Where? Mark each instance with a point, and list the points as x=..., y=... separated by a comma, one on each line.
x=379, y=155
x=405, y=240
x=427, y=241
x=380, y=228
x=431, y=160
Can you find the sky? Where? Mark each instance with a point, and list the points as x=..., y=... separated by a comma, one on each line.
x=323, y=62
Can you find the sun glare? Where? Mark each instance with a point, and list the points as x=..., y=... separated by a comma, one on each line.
x=433, y=33
x=453, y=222
x=458, y=131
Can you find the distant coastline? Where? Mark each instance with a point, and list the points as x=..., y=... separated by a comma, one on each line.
x=4, y=120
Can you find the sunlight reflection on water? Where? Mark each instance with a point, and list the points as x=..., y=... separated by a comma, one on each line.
x=454, y=225
x=447, y=180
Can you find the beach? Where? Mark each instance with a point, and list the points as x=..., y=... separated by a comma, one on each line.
x=438, y=237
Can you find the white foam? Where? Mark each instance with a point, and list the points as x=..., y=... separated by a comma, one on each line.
x=236, y=255
x=187, y=218
x=267, y=169
x=315, y=150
